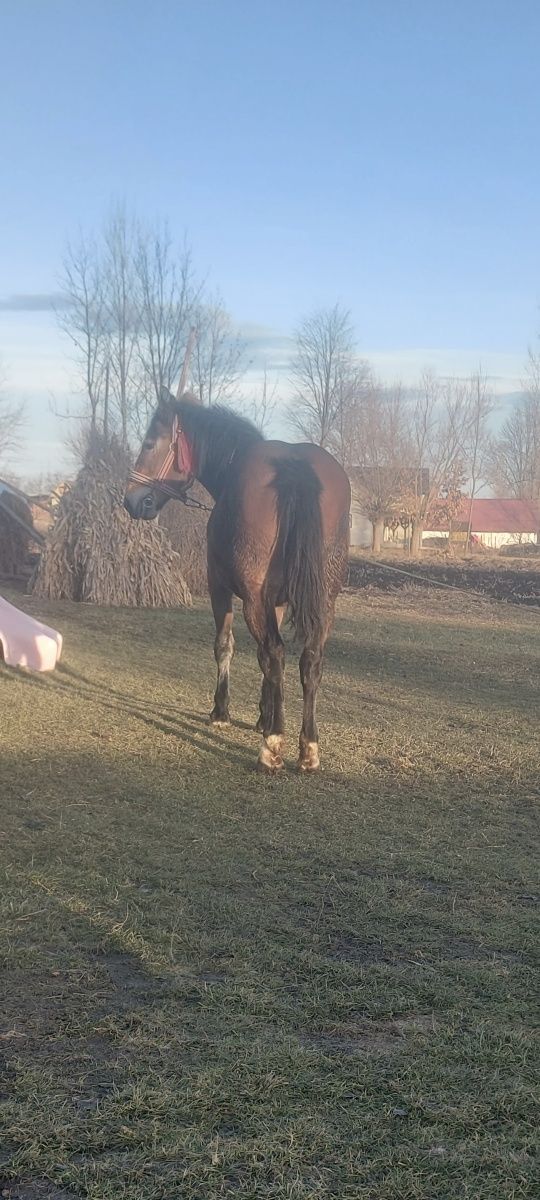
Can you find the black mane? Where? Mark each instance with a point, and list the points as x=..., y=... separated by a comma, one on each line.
x=218, y=436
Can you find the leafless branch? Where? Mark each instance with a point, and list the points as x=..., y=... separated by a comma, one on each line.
x=320, y=373
x=514, y=464
x=12, y=418
x=219, y=358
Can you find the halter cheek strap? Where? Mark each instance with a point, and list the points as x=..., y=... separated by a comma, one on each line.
x=184, y=454
x=179, y=454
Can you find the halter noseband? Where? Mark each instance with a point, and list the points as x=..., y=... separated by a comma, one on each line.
x=180, y=452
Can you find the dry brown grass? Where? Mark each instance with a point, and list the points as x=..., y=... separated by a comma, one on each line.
x=219, y=985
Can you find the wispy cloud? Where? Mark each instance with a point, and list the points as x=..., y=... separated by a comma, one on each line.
x=265, y=347
x=504, y=369
x=272, y=349
x=34, y=302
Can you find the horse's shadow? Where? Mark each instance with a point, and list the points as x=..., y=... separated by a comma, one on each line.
x=191, y=727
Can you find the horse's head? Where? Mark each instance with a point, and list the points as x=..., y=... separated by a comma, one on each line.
x=165, y=467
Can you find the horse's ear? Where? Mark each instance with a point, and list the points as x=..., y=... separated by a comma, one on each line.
x=166, y=400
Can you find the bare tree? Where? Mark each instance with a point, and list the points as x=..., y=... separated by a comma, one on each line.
x=127, y=301
x=477, y=439
x=514, y=466
x=439, y=425
x=121, y=316
x=83, y=319
x=167, y=296
x=12, y=418
x=261, y=406
x=131, y=299
x=381, y=474
x=219, y=357
x=353, y=404
x=320, y=373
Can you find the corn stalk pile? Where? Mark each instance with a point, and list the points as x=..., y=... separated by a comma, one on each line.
x=186, y=528
x=96, y=553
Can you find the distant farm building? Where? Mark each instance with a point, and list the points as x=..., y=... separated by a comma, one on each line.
x=494, y=523
x=361, y=527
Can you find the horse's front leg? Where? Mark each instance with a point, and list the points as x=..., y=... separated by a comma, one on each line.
x=222, y=608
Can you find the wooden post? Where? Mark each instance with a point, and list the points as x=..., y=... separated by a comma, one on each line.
x=187, y=359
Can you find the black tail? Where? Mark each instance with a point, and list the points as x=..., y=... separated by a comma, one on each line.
x=300, y=545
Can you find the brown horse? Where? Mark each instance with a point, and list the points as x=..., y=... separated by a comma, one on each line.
x=278, y=538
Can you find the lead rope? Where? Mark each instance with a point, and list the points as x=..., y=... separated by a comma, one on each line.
x=192, y=502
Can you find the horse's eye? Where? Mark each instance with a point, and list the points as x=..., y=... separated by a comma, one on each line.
x=148, y=445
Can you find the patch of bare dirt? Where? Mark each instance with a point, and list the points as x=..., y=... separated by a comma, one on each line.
x=364, y=954
x=351, y=949
x=56, y=1017
x=211, y=977
x=127, y=976
x=33, y=1189
x=349, y=1043
x=369, y=1037
x=516, y=585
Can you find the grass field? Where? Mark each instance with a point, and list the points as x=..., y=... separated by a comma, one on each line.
x=218, y=984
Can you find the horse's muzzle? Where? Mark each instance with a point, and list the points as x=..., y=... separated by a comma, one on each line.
x=141, y=503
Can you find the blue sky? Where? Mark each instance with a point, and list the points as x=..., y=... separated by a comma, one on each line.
x=379, y=152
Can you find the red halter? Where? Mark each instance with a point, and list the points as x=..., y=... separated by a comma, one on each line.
x=179, y=455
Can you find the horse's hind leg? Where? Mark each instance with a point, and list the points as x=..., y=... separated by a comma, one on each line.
x=222, y=608
x=311, y=668
x=265, y=706
x=263, y=625
x=266, y=700
x=311, y=662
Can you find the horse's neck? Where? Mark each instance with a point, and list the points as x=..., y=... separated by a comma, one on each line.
x=214, y=455
x=210, y=468
x=213, y=481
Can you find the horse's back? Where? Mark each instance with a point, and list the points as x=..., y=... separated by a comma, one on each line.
x=263, y=466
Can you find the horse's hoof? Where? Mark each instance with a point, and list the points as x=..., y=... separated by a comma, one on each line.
x=269, y=768
x=309, y=758
x=270, y=759
x=218, y=720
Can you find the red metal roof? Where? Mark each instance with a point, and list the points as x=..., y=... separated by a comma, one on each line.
x=500, y=516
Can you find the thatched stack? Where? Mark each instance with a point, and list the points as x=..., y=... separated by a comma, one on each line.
x=14, y=541
x=97, y=554
x=186, y=528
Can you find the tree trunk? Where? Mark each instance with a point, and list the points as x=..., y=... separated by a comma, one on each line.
x=416, y=537
x=469, y=520
x=106, y=405
x=378, y=535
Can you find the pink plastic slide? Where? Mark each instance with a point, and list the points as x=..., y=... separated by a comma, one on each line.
x=26, y=642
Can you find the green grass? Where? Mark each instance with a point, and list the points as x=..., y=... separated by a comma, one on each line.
x=218, y=984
